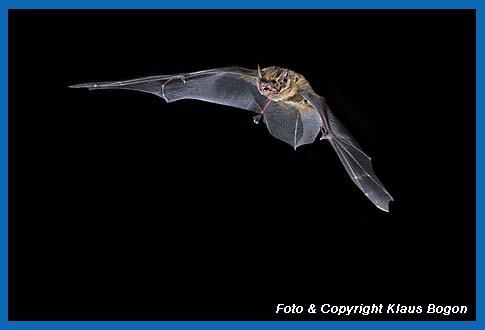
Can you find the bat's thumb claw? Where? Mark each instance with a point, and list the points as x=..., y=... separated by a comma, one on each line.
x=257, y=119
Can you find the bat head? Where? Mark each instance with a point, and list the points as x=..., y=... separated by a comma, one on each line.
x=273, y=80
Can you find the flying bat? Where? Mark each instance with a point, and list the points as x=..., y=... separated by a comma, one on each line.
x=281, y=98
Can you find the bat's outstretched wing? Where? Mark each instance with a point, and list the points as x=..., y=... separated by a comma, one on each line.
x=231, y=86
x=355, y=161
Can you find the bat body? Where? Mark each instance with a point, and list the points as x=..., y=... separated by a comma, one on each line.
x=281, y=98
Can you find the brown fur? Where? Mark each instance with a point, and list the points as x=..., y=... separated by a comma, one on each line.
x=298, y=83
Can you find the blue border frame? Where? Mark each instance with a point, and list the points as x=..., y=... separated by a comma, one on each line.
x=331, y=4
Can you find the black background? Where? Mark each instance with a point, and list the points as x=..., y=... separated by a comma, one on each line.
x=122, y=207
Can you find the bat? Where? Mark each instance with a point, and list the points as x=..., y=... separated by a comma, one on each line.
x=281, y=98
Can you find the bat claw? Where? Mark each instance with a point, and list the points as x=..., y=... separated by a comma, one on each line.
x=324, y=134
x=257, y=119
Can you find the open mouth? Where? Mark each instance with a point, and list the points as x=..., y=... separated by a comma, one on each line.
x=269, y=90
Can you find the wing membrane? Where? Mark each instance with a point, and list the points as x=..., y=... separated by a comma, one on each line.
x=292, y=125
x=232, y=86
x=357, y=164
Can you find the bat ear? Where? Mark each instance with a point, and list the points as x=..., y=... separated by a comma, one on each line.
x=284, y=77
x=260, y=73
x=285, y=74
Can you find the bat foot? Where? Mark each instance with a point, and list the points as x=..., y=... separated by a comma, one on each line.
x=324, y=134
x=257, y=119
